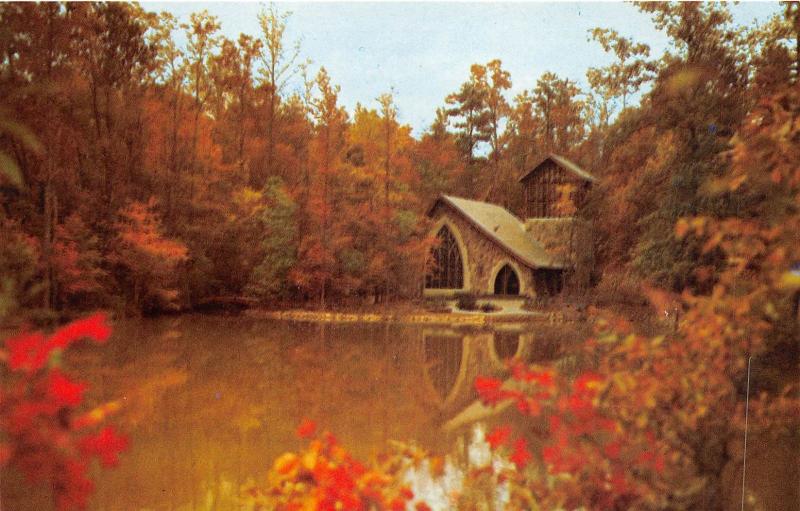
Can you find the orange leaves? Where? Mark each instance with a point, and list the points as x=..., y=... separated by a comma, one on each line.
x=306, y=429
x=140, y=231
x=149, y=257
x=326, y=477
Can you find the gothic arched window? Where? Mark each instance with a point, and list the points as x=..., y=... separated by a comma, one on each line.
x=506, y=282
x=447, y=271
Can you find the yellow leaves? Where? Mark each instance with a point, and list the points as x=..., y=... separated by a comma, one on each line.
x=311, y=456
x=287, y=465
x=623, y=381
x=684, y=80
x=685, y=225
x=789, y=281
x=248, y=200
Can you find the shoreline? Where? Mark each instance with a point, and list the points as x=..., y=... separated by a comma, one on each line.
x=420, y=317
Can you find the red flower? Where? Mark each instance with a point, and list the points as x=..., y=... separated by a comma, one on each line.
x=306, y=429
x=26, y=352
x=106, y=445
x=94, y=327
x=521, y=456
x=64, y=392
x=29, y=352
x=489, y=389
x=499, y=436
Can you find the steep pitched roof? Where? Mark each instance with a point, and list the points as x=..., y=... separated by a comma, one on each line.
x=503, y=228
x=564, y=164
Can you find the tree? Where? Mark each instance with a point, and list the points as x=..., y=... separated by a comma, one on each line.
x=468, y=108
x=389, y=114
x=322, y=238
x=623, y=77
x=148, y=257
x=325, y=475
x=558, y=109
x=495, y=80
x=280, y=237
x=278, y=67
x=480, y=109
x=775, y=51
x=698, y=100
x=202, y=43
x=438, y=161
x=234, y=74
x=78, y=274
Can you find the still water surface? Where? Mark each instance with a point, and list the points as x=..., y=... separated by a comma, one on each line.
x=210, y=401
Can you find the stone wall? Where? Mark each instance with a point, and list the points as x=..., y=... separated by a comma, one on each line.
x=569, y=239
x=483, y=258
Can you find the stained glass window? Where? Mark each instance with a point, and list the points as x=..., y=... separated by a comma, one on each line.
x=447, y=271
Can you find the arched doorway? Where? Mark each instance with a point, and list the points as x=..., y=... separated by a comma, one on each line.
x=448, y=269
x=506, y=282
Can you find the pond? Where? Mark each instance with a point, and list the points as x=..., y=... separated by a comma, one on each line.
x=210, y=401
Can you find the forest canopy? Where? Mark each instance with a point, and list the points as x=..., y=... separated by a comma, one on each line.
x=143, y=174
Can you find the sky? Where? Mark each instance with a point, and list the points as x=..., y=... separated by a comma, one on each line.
x=422, y=51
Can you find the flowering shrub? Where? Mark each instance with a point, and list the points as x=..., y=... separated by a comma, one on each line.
x=325, y=477
x=43, y=434
x=590, y=459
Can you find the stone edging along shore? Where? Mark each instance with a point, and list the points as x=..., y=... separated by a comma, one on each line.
x=475, y=319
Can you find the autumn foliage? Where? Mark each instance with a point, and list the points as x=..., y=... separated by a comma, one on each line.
x=46, y=435
x=590, y=458
x=652, y=422
x=325, y=477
